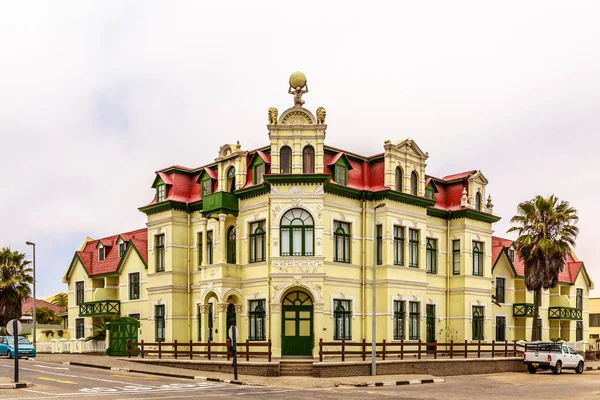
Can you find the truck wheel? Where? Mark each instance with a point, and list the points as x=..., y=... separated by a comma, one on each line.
x=579, y=368
x=558, y=368
x=531, y=369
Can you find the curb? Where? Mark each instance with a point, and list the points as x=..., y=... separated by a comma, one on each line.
x=17, y=385
x=592, y=368
x=394, y=383
x=196, y=378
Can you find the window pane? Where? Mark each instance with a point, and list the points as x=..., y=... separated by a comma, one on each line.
x=285, y=242
x=286, y=160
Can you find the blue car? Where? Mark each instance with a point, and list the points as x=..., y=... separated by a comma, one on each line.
x=7, y=347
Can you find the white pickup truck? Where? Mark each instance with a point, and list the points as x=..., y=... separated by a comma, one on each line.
x=550, y=355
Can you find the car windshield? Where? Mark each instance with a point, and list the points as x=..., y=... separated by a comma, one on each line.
x=22, y=340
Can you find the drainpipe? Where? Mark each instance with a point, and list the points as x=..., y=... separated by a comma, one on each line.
x=363, y=269
x=449, y=254
x=189, y=300
x=268, y=250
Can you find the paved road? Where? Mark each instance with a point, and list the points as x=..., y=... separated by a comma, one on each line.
x=65, y=381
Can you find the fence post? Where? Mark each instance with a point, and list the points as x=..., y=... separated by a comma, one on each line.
x=505, y=348
x=191, y=349
x=402, y=349
x=247, y=350
x=466, y=356
x=383, y=355
x=419, y=349
x=321, y=350
x=493, y=343
x=515, y=348
x=364, y=349
x=159, y=351
x=209, y=348
x=343, y=349
x=479, y=349
x=435, y=349
x=451, y=348
x=142, y=348
x=269, y=350
x=175, y=348
x=228, y=344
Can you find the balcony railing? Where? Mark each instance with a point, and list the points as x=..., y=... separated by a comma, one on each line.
x=565, y=313
x=99, y=308
x=523, y=310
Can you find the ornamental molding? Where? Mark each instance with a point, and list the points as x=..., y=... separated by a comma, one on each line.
x=275, y=308
x=274, y=189
x=319, y=189
x=297, y=202
x=295, y=265
x=296, y=189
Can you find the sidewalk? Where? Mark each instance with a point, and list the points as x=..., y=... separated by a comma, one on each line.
x=7, y=383
x=116, y=363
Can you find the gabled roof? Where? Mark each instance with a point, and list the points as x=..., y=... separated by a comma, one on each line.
x=137, y=241
x=460, y=175
x=337, y=157
x=411, y=143
x=27, y=306
x=568, y=275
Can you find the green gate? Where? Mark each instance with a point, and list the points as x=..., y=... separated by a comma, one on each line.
x=120, y=331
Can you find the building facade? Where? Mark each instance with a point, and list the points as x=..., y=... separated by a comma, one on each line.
x=281, y=242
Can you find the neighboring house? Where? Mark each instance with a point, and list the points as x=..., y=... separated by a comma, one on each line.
x=113, y=268
x=563, y=311
x=280, y=242
x=27, y=309
x=594, y=322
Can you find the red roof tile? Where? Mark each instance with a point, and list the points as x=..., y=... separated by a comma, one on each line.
x=89, y=255
x=568, y=275
x=27, y=306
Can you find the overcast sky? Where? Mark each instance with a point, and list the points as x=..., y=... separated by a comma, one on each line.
x=96, y=96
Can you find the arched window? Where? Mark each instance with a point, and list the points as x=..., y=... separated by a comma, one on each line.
x=399, y=179
x=478, y=201
x=341, y=246
x=414, y=183
x=297, y=233
x=308, y=160
x=231, y=245
x=285, y=160
x=231, y=179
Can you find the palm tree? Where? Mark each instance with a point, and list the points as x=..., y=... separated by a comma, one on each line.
x=15, y=281
x=547, y=231
x=61, y=299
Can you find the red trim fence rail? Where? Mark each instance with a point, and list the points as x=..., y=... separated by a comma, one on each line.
x=191, y=349
x=401, y=349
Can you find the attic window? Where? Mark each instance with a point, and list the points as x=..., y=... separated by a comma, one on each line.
x=414, y=183
x=429, y=192
x=122, y=247
x=511, y=254
x=341, y=174
x=206, y=186
x=161, y=193
x=101, y=253
x=259, y=173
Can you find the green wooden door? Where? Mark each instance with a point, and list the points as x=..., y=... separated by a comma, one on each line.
x=297, y=325
x=120, y=331
x=430, y=325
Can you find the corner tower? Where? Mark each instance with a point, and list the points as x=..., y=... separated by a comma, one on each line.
x=297, y=136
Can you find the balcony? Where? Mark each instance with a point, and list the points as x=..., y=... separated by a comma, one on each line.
x=523, y=310
x=99, y=308
x=565, y=313
x=220, y=203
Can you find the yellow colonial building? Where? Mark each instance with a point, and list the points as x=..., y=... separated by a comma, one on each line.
x=281, y=241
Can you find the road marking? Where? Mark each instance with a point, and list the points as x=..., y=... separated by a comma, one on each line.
x=57, y=380
x=135, y=377
x=46, y=366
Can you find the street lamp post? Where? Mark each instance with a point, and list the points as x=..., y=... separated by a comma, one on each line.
x=373, y=318
x=34, y=316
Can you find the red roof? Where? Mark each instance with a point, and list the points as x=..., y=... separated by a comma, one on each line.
x=27, y=306
x=89, y=255
x=460, y=175
x=568, y=275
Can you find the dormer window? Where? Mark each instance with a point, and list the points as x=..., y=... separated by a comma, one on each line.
x=206, y=186
x=511, y=254
x=101, y=253
x=429, y=192
x=259, y=174
x=161, y=193
x=341, y=175
x=122, y=247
